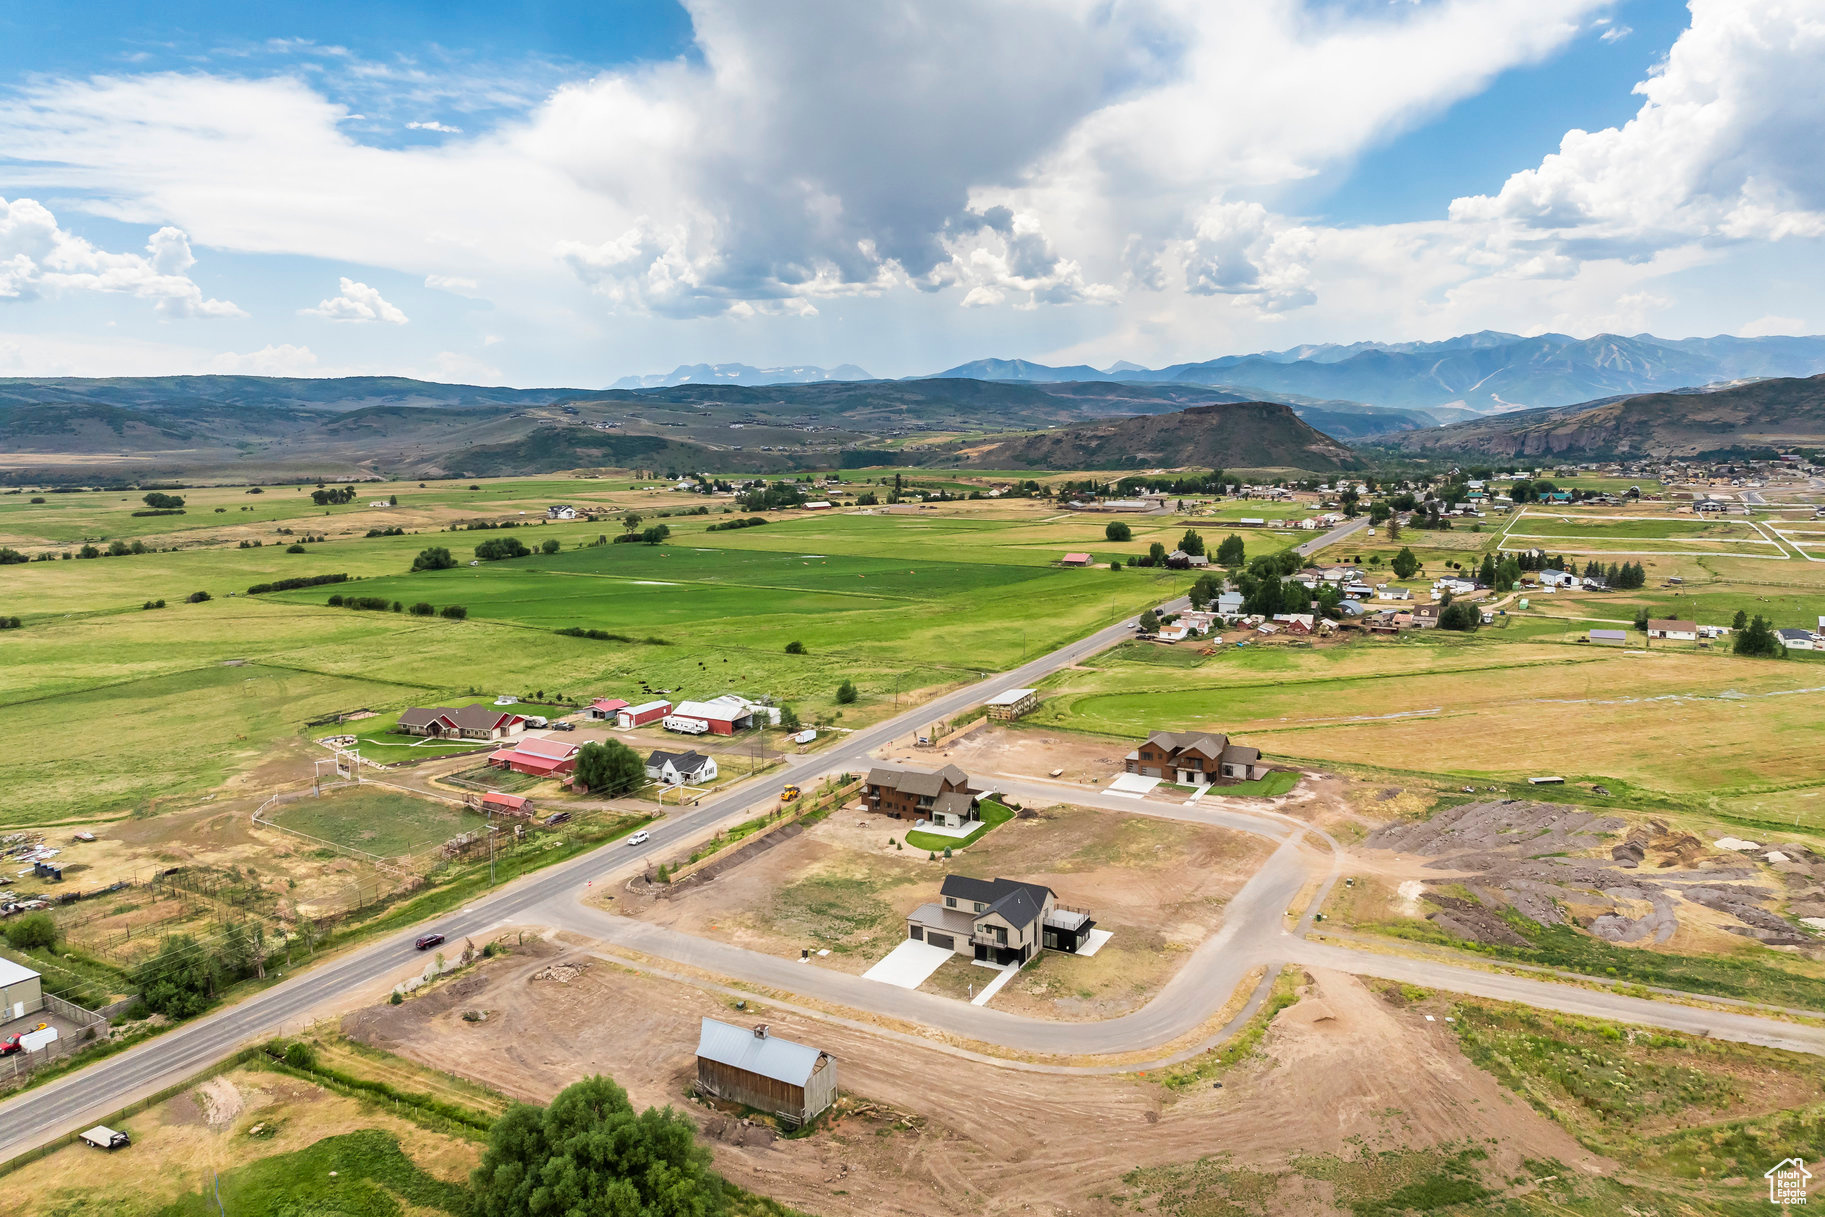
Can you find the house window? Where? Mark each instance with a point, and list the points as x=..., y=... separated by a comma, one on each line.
x=1001, y=935
x=950, y=902
x=980, y=906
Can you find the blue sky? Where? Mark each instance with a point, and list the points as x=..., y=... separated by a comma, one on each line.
x=568, y=193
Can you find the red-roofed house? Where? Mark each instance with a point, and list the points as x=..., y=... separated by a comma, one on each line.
x=604, y=708
x=538, y=757
x=506, y=804
x=1075, y=560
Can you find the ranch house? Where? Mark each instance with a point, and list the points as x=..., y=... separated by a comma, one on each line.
x=681, y=768
x=941, y=796
x=471, y=722
x=1000, y=921
x=1195, y=759
x=1680, y=631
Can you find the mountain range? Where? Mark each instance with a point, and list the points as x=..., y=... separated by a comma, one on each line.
x=743, y=374
x=1747, y=418
x=1482, y=373
x=1253, y=434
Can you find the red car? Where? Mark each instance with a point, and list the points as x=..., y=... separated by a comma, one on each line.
x=427, y=941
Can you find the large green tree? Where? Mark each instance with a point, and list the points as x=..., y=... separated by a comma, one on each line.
x=1115, y=530
x=1232, y=552
x=1405, y=564
x=591, y=1154
x=435, y=558
x=1191, y=542
x=610, y=767
x=1758, y=638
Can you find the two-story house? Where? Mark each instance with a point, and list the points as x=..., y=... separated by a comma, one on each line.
x=941, y=796
x=1000, y=921
x=1193, y=758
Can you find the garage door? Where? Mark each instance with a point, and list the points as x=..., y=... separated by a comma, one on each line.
x=942, y=940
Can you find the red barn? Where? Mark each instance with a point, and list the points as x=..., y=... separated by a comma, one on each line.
x=639, y=716
x=538, y=757
x=506, y=804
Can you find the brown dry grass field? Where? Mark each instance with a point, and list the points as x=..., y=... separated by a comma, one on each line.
x=1159, y=886
x=1342, y=1072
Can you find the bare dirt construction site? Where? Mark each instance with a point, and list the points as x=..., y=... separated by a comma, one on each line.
x=1648, y=884
x=843, y=887
x=919, y=1130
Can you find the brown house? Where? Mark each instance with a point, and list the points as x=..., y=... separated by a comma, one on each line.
x=941, y=796
x=471, y=722
x=1195, y=759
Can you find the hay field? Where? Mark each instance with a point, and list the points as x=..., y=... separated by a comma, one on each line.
x=1695, y=728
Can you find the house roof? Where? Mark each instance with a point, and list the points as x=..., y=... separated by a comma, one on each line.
x=1672, y=625
x=766, y=1055
x=919, y=782
x=647, y=707
x=545, y=749
x=1075, y=557
x=722, y=709
x=953, y=803
x=1795, y=633
x=476, y=717
x=684, y=762
x=1611, y=635
x=514, y=801
x=1020, y=903
x=608, y=704
x=12, y=973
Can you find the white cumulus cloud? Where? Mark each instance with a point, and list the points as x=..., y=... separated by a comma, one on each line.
x=38, y=256
x=358, y=302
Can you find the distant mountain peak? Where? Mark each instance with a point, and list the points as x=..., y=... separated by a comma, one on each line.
x=740, y=374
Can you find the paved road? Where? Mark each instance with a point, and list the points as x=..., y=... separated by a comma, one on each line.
x=47, y=1111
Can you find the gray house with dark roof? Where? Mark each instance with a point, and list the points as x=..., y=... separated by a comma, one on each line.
x=939, y=795
x=1000, y=921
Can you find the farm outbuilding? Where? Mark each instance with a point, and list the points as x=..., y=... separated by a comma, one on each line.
x=21, y=990
x=604, y=708
x=1012, y=704
x=629, y=717
x=752, y=1067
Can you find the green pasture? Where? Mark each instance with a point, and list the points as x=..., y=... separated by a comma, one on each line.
x=1576, y=527
x=381, y=822
x=979, y=614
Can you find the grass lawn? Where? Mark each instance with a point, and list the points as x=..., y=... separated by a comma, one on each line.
x=380, y=822
x=993, y=814
x=1275, y=784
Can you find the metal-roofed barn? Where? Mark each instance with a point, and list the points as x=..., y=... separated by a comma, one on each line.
x=749, y=1066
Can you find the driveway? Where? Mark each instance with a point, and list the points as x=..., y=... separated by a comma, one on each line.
x=909, y=965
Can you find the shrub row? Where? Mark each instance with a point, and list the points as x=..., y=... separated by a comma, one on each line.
x=380, y=604
x=290, y=585
x=577, y=631
x=745, y=522
x=161, y=511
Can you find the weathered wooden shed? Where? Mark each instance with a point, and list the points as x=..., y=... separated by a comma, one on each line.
x=749, y=1066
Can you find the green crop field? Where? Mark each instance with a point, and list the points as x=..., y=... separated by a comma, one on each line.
x=1585, y=527
x=154, y=707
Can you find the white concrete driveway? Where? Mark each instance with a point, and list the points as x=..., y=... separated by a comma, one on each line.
x=909, y=964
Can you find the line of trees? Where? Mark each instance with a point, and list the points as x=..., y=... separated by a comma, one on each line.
x=610, y=767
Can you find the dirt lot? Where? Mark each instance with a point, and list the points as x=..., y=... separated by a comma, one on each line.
x=1341, y=1072
x=1159, y=886
x=1647, y=883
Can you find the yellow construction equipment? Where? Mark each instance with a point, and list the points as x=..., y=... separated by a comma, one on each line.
x=789, y=794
